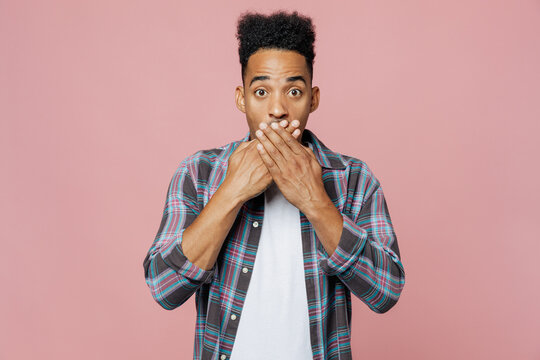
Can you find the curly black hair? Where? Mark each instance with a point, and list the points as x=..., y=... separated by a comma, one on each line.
x=279, y=30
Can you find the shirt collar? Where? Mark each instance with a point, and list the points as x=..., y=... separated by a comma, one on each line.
x=326, y=157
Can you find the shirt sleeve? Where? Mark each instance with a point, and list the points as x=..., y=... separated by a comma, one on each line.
x=367, y=258
x=171, y=277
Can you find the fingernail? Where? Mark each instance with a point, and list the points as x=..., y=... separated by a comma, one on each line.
x=296, y=132
x=262, y=125
x=259, y=133
x=295, y=123
x=274, y=125
x=283, y=123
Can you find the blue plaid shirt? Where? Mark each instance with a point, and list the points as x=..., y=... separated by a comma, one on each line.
x=366, y=261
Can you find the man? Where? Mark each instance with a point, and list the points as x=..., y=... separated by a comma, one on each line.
x=273, y=232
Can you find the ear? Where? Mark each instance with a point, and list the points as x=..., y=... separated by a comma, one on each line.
x=240, y=99
x=315, y=96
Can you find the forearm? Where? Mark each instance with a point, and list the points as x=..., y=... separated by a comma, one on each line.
x=363, y=267
x=376, y=277
x=366, y=258
x=169, y=272
x=327, y=222
x=203, y=239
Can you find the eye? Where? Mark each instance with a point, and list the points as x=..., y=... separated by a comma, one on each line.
x=258, y=92
x=297, y=92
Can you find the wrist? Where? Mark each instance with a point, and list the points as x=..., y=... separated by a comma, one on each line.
x=229, y=196
x=319, y=208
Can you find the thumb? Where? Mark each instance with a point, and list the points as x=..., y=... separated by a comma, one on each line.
x=244, y=144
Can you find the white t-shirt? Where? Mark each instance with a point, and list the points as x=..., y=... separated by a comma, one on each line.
x=274, y=323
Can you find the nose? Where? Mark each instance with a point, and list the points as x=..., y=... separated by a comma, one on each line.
x=277, y=109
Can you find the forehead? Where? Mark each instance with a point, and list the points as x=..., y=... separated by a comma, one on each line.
x=276, y=63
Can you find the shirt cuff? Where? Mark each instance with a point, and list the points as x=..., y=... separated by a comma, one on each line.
x=352, y=241
x=177, y=260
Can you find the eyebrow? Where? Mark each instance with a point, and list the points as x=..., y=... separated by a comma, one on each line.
x=289, y=79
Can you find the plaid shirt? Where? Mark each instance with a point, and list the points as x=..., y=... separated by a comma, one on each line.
x=366, y=261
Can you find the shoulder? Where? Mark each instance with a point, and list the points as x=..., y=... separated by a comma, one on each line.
x=359, y=176
x=341, y=165
x=202, y=163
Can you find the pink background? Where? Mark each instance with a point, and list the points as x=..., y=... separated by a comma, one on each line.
x=100, y=101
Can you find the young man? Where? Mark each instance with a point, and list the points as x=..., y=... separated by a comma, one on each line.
x=274, y=231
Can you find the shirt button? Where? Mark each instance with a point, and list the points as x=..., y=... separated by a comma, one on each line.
x=223, y=357
x=255, y=224
x=233, y=317
x=245, y=270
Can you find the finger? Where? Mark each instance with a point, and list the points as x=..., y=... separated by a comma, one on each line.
x=291, y=127
x=296, y=132
x=290, y=140
x=270, y=164
x=269, y=146
x=278, y=142
x=287, y=125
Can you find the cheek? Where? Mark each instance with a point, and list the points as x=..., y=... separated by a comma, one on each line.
x=302, y=106
x=253, y=121
x=251, y=104
x=255, y=115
